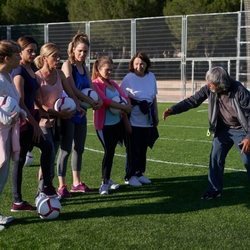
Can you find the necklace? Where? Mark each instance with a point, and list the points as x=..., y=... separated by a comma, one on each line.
x=48, y=76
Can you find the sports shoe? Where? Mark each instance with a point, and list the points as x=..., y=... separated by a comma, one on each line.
x=23, y=206
x=143, y=180
x=29, y=159
x=133, y=181
x=63, y=192
x=2, y=227
x=209, y=195
x=104, y=189
x=113, y=185
x=49, y=191
x=4, y=220
x=80, y=188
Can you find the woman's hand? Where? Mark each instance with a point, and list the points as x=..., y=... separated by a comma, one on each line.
x=97, y=104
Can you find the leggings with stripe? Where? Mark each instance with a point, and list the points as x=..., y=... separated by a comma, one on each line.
x=73, y=138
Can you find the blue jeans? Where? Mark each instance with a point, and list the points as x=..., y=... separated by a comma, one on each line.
x=222, y=143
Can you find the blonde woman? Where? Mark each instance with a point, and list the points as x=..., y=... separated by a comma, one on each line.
x=75, y=130
x=53, y=85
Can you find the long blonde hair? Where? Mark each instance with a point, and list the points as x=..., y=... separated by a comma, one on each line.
x=46, y=50
x=78, y=38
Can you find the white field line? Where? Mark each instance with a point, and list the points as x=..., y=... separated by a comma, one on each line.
x=167, y=125
x=168, y=162
x=184, y=126
x=202, y=110
x=173, y=139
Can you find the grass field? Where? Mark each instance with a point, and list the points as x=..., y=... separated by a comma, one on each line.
x=168, y=214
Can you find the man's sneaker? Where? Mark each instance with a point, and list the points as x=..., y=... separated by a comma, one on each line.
x=209, y=195
x=4, y=220
x=104, y=189
x=2, y=227
x=80, y=188
x=63, y=192
x=22, y=206
x=113, y=185
x=143, y=180
x=50, y=191
x=133, y=181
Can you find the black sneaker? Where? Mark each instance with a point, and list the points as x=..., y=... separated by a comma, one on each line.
x=209, y=195
x=49, y=191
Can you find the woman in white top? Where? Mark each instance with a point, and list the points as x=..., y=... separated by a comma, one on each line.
x=9, y=127
x=140, y=85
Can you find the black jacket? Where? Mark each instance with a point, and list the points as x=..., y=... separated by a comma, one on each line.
x=237, y=92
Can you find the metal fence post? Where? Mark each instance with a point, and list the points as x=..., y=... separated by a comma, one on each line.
x=238, y=46
x=183, y=55
x=133, y=37
x=46, y=33
x=87, y=31
x=8, y=32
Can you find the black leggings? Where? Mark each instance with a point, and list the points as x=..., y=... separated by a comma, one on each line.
x=46, y=159
x=136, y=147
x=109, y=136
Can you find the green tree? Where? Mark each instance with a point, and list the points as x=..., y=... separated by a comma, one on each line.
x=87, y=10
x=211, y=29
x=38, y=11
x=180, y=7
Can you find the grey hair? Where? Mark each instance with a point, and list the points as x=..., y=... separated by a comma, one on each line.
x=220, y=77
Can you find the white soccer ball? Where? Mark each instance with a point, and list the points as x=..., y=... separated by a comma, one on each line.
x=9, y=104
x=119, y=99
x=48, y=208
x=90, y=93
x=29, y=159
x=64, y=103
x=39, y=198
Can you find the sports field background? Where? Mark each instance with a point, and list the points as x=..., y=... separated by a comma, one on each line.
x=168, y=214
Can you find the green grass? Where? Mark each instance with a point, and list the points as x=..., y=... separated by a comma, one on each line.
x=168, y=214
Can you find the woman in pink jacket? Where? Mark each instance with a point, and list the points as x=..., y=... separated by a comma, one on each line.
x=108, y=124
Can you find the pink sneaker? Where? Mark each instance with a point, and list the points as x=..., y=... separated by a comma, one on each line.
x=63, y=192
x=80, y=188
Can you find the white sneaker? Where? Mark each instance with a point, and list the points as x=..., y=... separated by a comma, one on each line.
x=29, y=159
x=5, y=219
x=104, y=189
x=2, y=227
x=133, y=181
x=113, y=185
x=143, y=180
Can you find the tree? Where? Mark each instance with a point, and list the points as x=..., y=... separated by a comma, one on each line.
x=87, y=10
x=211, y=29
x=29, y=11
x=180, y=7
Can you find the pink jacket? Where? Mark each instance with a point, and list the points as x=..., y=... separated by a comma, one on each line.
x=100, y=87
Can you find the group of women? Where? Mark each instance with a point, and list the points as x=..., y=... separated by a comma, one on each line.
x=39, y=125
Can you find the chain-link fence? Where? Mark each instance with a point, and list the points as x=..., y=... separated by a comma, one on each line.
x=181, y=48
